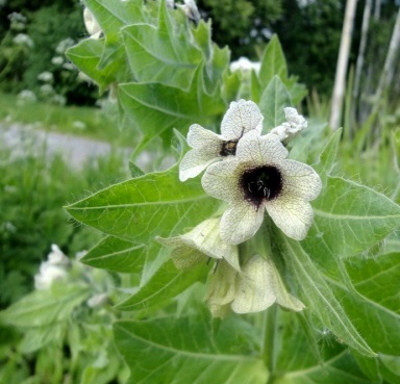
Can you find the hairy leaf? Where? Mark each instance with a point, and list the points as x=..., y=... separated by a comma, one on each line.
x=163, y=286
x=190, y=350
x=319, y=297
x=137, y=210
x=274, y=98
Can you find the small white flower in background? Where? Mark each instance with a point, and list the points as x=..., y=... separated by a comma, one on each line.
x=46, y=89
x=91, y=24
x=27, y=95
x=69, y=66
x=190, y=9
x=294, y=124
x=255, y=289
x=63, y=45
x=244, y=64
x=17, y=17
x=260, y=178
x=51, y=270
x=46, y=77
x=57, y=256
x=58, y=99
x=23, y=39
x=208, y=147
x=57, y=60
x=10, y=227
x=97, y=300
x=17, y=21
x=170, y=3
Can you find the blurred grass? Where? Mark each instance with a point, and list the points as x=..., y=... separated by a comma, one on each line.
x=88, y=122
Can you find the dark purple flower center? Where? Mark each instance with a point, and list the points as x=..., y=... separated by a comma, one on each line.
x=261, y=184
x=228, y=148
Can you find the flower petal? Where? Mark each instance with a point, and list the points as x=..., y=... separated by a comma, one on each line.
x=194, y=162
x=221, y=180
x=205, y=237
x=240, y=222
x=255, y=291
x=291, y=214
x=260, y=150
x=201, y=138
x=241, y=117
x=300, y=179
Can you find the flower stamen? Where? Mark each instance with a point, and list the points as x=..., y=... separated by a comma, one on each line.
x=228, y=148
x=261, y=183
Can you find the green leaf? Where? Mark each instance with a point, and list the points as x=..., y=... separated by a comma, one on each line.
x=216, y=59
x=329, y=153
x=117, y=255
x=319, y=297
x=87, y=56
x=113, y=15
x=190, y=350
x=137, y=210
x=44, y=308
x=166, y=283
x=274, y=98
x=296, y=90
x=36, y=338
x=375, y=311
x=349, y=218
x=156, y=108
x=161, y=54
x=273, y=62
x=256, y=89
x=339, y=369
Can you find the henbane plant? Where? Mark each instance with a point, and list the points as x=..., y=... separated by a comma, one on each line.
x=272, y=225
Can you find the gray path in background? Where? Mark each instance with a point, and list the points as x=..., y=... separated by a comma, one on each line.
x=75, y=150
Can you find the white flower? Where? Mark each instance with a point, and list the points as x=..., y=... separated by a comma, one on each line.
x=46, y=77
x=48, y=273
x=260, y=178
x=69, y=66
x=244, y=64
x=51, y=270
x=58, y=99
x=57, y=60
x=91, y=24
x=27, y=95
x=294, y=124
x=202, y=241
x=46, y=89
x=190, y=9
x=208, y=147
x=63, y=45
x=255, y=289
x=23, y=39
x=57, y=256
x=260, y=286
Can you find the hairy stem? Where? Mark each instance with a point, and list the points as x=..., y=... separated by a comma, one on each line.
x=269, y=347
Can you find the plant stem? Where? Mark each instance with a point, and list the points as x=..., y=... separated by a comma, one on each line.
x=269, y=347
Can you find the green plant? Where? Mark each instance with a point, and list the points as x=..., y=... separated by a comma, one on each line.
x=341, y=286
x=33, y=190
x=61, y=332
